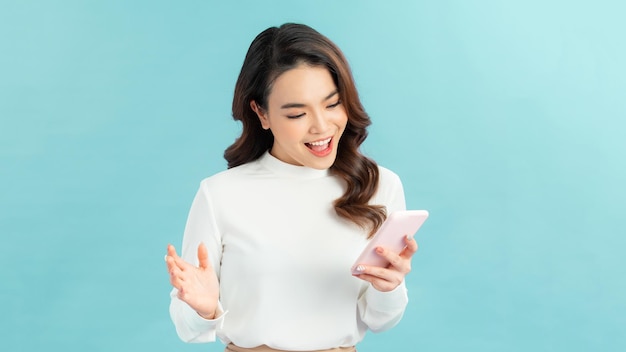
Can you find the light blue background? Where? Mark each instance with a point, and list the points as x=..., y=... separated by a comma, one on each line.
x=505, y=119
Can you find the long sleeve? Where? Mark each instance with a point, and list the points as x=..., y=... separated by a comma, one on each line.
x=201, y=227
x=381, y=311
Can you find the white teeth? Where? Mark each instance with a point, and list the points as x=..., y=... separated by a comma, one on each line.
x=326, y=141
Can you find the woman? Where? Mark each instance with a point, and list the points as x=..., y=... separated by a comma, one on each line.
x=269, y=243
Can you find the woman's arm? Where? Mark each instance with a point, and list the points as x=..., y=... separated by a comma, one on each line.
x=382, y=304
x=195, y=308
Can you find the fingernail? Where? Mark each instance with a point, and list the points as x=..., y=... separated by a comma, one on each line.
x=165, y=258
x=379, y=250
x=360, y=268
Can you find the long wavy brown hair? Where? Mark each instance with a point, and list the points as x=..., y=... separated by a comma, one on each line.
x=275, y=51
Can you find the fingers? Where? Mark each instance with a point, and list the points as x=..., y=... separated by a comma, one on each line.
x=203, y=257
x=401, y=261
x=171, y=251
x=176, y=266
x=176, y=260
x=397, y=262
x=411, y=247
x=173, y=260
x=171, y=254
x=172, y=268
x=388, y=274
x=176, y=279
x=387, y=279
x=382, y=279
x=169, y=258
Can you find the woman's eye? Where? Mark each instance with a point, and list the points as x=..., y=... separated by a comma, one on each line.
x=295, y=116
x=334, y=105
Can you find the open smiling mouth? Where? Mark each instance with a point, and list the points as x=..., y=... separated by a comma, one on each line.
x=320, y=147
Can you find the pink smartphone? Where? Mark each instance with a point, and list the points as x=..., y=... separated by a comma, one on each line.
x=391, y=236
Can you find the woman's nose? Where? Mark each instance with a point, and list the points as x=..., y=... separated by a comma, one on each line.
x=319, y=123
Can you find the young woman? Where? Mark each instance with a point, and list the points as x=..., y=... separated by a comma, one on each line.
x=269, y=243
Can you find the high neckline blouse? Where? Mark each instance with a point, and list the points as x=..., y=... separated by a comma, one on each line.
x=282, y=168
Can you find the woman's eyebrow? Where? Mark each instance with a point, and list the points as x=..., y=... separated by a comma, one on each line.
x=332, y=94
x=300, y=105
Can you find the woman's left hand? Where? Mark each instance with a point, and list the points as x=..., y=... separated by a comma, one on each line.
x=387, y=279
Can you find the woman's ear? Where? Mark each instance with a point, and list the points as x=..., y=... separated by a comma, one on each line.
x=261, y=114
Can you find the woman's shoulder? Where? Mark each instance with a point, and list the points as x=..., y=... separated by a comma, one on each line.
x=235, y=175
x=388, y=177
x=390, y=191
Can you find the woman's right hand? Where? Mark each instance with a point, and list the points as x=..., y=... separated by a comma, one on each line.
x=197, y=286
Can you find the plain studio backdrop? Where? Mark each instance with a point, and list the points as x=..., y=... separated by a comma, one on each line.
x=505, y=119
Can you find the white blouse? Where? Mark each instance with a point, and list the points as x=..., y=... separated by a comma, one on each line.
x=283, y=259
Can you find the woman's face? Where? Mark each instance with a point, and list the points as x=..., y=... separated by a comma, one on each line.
x=305, y=116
